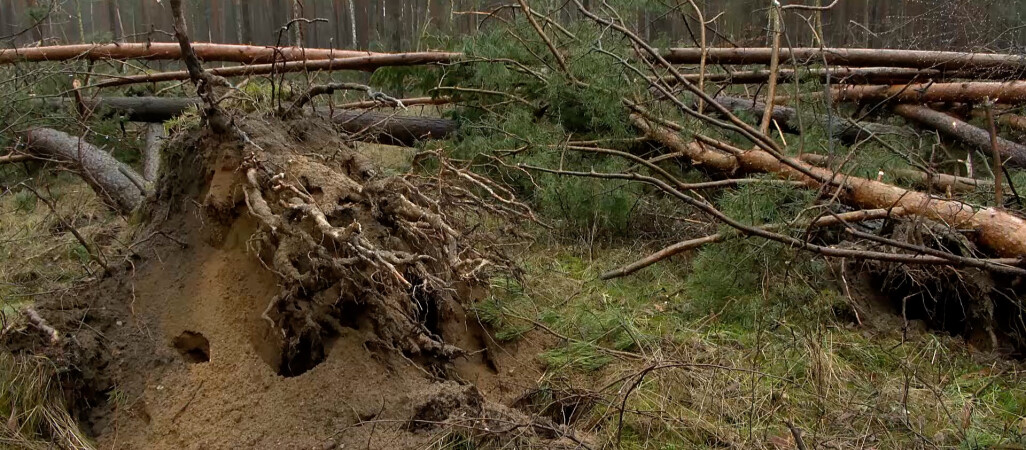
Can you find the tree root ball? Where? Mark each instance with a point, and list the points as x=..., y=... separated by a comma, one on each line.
x=349, y=248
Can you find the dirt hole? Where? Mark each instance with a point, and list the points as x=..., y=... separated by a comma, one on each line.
x=193, y=346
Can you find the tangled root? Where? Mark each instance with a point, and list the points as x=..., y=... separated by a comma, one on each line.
x=352, y=249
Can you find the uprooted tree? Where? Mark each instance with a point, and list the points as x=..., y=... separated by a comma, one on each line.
x=592, y=100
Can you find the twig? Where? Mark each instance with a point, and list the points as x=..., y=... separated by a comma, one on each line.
x=997, y=165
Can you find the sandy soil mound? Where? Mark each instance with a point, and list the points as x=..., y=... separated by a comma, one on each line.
x=233, y=329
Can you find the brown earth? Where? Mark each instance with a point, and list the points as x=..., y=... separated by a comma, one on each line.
x=181, y=349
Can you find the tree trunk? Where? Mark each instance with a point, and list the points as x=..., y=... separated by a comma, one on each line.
x=838, y=75
x=1003, y=233
x=245, y=54
x=1014, y=154
x=787, y=118
x=1012, y=92
x=155, y=136
x=389, y=129
x=115, y=183
x=361, y=63
x=855, y=57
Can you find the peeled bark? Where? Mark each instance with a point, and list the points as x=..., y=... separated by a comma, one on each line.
x=362, y=63
x=208, y=52
x=1003, y=233
x=1012, y=92
x=1014, y=154
x=787, y=118
x=115, y=182
x=855, y=57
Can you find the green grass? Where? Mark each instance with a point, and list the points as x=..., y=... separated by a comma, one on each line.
x=751, y=352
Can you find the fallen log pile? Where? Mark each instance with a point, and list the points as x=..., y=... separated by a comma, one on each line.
x=907, y=83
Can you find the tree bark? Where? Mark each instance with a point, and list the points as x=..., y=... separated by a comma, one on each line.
x=940, y=181
x=370, y=126
x=115, y=182
x=209, y=52
x=855, y=57
x=362, y=63
x=1003, y=233
x=1014, y=154
x=155, y=136
x=1012, y=92
x=787, y=118
x=389, y=129
x=838, y=75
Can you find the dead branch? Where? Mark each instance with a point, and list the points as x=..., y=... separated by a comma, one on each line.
x=37, y=321
x=203, y=80
x=691, y=244
x=328, y=89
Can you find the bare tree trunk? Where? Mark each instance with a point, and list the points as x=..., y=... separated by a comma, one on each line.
x=246, y=54
x=116, y=183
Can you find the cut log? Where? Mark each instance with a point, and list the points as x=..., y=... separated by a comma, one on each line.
x=787, y=118
x=856, y=57
x=111, y=179
x=1014, y=154
x=361, y=63
x=993, y=228
x=208, y=52
x=1011, y=93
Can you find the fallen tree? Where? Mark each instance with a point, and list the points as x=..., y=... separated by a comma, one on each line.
x=940, y=181
x=1012, y=92
x=995, y=63
x=787, y=118
x=835, y=75
x=362, y=63
x=1000, y=231
x=209, y=52
x=393, y=129
x=115, y=182
x=1013, y=153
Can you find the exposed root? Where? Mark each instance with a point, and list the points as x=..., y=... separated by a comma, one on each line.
x=344, y=243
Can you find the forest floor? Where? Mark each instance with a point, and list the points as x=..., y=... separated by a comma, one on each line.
x=180, y=357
